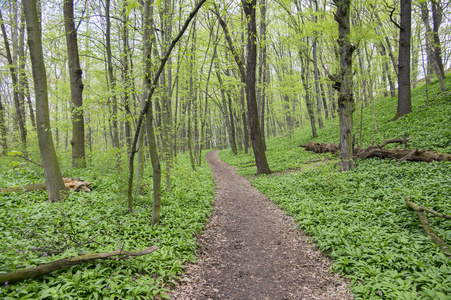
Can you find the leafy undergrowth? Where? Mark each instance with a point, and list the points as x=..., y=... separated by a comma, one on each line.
x=31, y=227
x=359, y=217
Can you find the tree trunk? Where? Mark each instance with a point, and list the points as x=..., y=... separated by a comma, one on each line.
x=13, y=72
x=344, y=84
x=387, y=71
x=228, y=115
x=304, y=73
x=404, y=96
x=76, y=88
x=149, y=38
x=126, y=76
x=147, y=107
x=434, y=59
x=4, y=141
x=263, y=70
x=55, y=184
x=112, y=80
x=317, y=88
x=252, y=109
x=437, y=15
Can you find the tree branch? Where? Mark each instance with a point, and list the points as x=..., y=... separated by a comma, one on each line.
x=48, y=268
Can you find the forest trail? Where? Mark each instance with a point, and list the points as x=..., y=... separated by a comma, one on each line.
x=252, y=250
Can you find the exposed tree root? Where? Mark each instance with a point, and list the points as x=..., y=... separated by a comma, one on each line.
x=377, y=151
x=73, y=184
x=427, y=227
x=44, y=269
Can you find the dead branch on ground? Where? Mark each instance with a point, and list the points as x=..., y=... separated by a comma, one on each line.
x=427, y=227
x=47, y=268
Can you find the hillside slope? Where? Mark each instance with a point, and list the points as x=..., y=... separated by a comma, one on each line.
x=359, y=217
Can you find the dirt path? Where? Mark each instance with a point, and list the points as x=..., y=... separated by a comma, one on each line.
x=252, y=250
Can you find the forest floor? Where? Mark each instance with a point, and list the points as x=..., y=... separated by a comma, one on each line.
x=251, y=250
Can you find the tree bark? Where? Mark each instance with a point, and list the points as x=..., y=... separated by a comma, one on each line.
x=112, y=80
x=48, y=268
x=76, y=88
x=404, y=95
x=437, y=15
x=344, y=84
x=4, y=140
x=304, y=76
x=252, y=109
x=153, y=85
x=13, y=72
x=433, y=49
x=228, y=115
x=427, y=227
x=55, y=184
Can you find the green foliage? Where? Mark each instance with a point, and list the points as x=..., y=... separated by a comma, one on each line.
x=359, y=217
x=29, y=225
x=429, y=126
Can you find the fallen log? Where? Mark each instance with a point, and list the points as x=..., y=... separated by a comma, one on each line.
x=377, y=151
x=47, y=268
x=73, y=184
x=427, y=227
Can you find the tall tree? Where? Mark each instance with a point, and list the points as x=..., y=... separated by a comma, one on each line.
x=52, y=173
x=4, y=141
x=344, y=83
x=404, y=96
x=76, y=87
x=111, y=78
x=13, y=72
x=252, y=108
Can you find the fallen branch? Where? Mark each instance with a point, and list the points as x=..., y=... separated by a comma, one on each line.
x=408, y=156
x=72, y=184
x=47, y=268
x=27, y=159
x=417, y=207
x=427, y=227
x=377, y=151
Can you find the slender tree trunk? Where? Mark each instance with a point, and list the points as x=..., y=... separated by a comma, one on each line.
x=146, y=108
x=433, y=49
x=317, y=88
x=387, y=72
x=404, y=97
x=239, y=62
x=4, y=140
x=263, y=69
x=304, y=73
x=13, y=72
x=149, y=38
x=437, y=15
x=252, y=109
x=228, y=114
x=76, y=88
x=392, y=57
x=55, y=184
x=344, y=84
x=112, y=80
x=126, y=76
